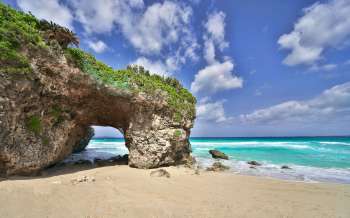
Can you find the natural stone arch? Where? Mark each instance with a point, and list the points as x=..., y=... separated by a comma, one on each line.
x=51, y=94
x=46, y=114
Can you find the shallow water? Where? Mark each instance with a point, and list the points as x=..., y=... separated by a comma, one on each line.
x=312, y=159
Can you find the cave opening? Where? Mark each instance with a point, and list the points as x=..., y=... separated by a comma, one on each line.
x=104, y=146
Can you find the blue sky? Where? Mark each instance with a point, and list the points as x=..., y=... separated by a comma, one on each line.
x=258, y=68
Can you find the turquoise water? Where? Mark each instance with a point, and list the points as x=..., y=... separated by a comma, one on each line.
x=311, y=158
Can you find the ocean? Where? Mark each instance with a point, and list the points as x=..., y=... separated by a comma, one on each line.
x=311, y=159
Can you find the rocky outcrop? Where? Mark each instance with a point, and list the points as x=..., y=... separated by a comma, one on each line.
x=218, y=154
x=84, y=141
x=218, y=167
x=45, y=112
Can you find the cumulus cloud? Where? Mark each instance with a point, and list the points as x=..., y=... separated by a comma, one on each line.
x=102, y=16
x=98, y=46
x=331, y=104
x=160, y=25
x=322, y=26
x=148, y=29
x=216, y=77
x=51, y=10
x=154, y=30
x=212, y=111
x=209, y=51
x=215, y=27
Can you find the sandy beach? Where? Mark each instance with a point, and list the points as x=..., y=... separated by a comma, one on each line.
x=120, y=191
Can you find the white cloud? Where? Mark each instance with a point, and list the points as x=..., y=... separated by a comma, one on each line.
x=215, y=27
x=216, y=77
x=209, y=51
x=323, y=26
x=212, y=111
x=148, y=29
x=103, y=16
x=98, y=46
x=49, y=10
x=160, y=25
x=331, y=104
x=159, y=31
x=326, y=67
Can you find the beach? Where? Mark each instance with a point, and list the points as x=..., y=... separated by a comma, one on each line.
x=121, y=191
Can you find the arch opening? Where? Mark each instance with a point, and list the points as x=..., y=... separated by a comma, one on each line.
x=100, y=146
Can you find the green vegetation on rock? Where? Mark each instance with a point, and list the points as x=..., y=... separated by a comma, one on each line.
x=177, y=133
x=34, y=124
x=16, y=29
x=136, y=79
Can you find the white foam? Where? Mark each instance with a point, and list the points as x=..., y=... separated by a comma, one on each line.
x=334, y=143
x=296, y=173
x=252, y=145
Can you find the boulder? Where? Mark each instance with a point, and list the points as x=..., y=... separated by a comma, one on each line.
x=254, y=163
x=160, y=173
x=217, y=167
x=218, y=154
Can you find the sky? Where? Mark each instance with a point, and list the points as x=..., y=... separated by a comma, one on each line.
x=257, y=68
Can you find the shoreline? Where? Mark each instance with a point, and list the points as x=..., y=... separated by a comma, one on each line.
x=121, y=191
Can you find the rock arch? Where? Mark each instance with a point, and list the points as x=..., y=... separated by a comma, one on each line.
x=46, y=113
x=51, y=94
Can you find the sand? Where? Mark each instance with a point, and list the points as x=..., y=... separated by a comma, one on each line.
x=120, y=191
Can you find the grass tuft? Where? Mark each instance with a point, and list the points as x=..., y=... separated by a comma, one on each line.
x=34, y=124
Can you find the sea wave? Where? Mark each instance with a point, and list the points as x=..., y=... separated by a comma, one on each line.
x=296, y=173
x=253, y=144
x=334, y=143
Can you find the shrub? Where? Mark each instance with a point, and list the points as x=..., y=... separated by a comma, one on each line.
x=177, y=133
x=62, y=35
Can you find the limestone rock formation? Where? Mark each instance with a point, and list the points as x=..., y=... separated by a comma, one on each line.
x=84, y=141
x=218, y=154
x=50, y=95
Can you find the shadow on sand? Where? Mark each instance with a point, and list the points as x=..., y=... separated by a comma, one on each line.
x=72, y=167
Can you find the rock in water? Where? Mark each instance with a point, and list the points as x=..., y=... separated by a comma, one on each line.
x=254, y=163
x=217, y=167
x=160, y=173
x=218, y=154
x=285, y=167
x=51, y=94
